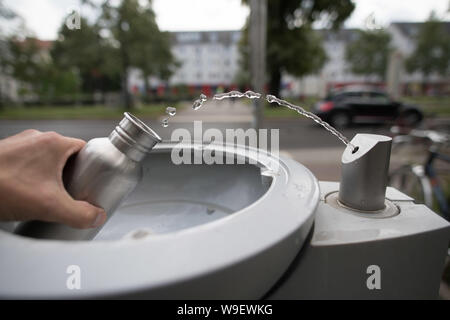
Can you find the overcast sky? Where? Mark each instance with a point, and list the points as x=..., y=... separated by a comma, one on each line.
x=45, y=16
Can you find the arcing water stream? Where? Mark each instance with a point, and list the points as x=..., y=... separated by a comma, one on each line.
x=271, y=99
x=326, y=125
x=236, y=94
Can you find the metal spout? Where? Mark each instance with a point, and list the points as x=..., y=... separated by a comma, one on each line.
x=364, y=172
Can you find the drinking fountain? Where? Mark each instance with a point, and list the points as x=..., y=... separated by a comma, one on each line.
x=262, y=229
x=368, y=241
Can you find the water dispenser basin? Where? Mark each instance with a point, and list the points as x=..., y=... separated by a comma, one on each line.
x=174, y=197
x=187, y=231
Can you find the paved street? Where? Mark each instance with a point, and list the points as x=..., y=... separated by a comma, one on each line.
x=227, y=111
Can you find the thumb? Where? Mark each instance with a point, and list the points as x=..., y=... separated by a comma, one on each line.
x=80, y=214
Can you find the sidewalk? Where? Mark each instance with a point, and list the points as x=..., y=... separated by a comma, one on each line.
x=324, y=163
x=215, y=111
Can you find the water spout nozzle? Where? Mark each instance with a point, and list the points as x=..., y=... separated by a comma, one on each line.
x=364, y=172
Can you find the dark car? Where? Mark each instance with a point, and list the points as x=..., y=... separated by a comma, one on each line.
x=344, y=107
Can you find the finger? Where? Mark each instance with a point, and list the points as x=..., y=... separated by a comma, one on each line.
x=73, y=143
x=79, y=214
x=68, y=147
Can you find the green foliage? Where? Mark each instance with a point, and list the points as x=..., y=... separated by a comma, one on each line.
x=149, y=47
x=23, y=60
x=242, y=77
x=432, y=52
x=57, y=83
x=298, y=51
x=369, y=53
x=94, y=58
x=141, y=44
x=37, y=74
x=292, y=45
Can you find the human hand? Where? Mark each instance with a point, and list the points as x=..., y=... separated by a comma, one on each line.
x=31, y=185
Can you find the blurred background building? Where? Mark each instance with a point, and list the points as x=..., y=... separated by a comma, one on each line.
x=207, y=60
x=211, y=59
x=337, y=73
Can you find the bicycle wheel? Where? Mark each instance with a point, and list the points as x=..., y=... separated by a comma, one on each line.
x=412, y=181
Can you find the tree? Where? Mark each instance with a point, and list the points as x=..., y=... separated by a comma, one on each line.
x=432, y=52
x=243, y=77
x=23, y=62
x=5, y=14
x=369, y=53
x=133, y=28
x=152, y=54
x=292, y=45
x=36, y=72
x=93, y=57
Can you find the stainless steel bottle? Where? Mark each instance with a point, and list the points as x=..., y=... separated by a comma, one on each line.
x=103, y=173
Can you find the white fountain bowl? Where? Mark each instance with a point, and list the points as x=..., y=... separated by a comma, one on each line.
x=187, y=231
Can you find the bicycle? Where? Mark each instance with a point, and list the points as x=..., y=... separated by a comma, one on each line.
x=422, y=181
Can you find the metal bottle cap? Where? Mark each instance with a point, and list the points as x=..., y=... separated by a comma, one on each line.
x=133, y=137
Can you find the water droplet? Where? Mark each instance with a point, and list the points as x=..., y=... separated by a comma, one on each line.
x=252, y=95
x=231, y=94
x=171, y=111
x=220, y=96
x=236, y=94
x=270, y=98
x=197, y=104
x=165, y=122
